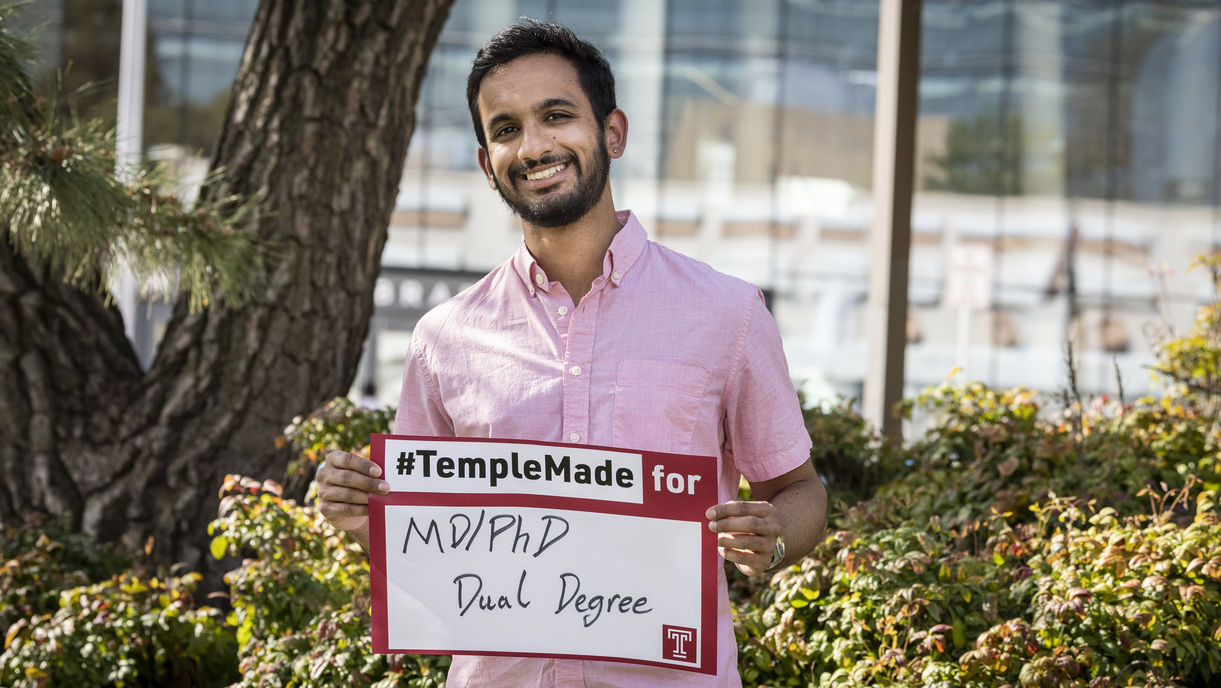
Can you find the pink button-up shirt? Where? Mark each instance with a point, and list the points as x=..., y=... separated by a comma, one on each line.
x=663, y=354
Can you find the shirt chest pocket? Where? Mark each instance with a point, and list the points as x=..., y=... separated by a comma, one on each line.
x=657, y=405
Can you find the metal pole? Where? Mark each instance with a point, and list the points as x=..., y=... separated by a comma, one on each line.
x=128, y=144
x=893, y=185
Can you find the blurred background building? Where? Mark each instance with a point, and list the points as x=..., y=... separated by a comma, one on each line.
x=1068, y=166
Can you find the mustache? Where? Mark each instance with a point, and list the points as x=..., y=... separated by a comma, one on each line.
x=545, y=161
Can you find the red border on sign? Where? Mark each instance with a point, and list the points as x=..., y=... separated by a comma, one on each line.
x=680, y=507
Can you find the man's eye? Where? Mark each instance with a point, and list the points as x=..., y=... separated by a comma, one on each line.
x=504, y=131
x=557, y=115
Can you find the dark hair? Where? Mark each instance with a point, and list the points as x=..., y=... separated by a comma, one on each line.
x=529, y=37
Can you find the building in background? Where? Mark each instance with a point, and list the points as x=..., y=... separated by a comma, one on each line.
x=1068, y=161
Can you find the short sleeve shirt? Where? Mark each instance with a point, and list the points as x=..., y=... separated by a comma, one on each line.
x=663, y=354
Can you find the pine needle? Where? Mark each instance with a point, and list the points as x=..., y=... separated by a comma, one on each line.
x=62, y=203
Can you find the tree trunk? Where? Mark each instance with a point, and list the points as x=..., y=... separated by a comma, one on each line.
x=321, y=113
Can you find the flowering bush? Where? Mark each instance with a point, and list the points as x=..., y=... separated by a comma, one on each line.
x=1193, y=362
x=79, y=613
x=852, y=458
x=338, y=424
x=38, y=564
x=125, y=631
x=1077, y=597
x=996, y=451
x=301, y=598
x=1014, y=546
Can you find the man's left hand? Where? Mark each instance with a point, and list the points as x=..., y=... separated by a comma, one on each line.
x=746, y=534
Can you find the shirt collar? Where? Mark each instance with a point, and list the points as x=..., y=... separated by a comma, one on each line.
x=625, y=249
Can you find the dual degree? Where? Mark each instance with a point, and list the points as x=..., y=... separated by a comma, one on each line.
x=470, y=586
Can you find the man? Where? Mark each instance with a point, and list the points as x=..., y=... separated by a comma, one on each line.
x=593, y=334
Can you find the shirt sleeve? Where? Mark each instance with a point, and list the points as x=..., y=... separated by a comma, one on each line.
x=764, y=430
x=420, y=410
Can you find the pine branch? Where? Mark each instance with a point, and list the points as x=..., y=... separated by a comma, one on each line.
x=62, y=204
x=15, y=91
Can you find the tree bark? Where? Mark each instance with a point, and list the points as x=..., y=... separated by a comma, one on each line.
x=318, y=126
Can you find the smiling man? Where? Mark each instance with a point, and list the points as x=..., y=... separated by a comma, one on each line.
x=593, y=334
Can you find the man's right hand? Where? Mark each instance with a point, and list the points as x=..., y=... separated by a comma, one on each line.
x=344, y=483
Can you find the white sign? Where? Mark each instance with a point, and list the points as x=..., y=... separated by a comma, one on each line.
x=968, y=276
x=517, y=548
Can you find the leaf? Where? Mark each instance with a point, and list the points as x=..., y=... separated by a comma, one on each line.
x=958, y=632
x=220, y=545
x=21, y=623
x=319, y=665
x=1008, y=466
x=246, y=631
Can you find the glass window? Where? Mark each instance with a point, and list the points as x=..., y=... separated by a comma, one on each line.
x=1064, y=140
x=1066, y=163
x=195, y=49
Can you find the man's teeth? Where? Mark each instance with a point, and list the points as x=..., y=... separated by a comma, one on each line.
x=543, y=174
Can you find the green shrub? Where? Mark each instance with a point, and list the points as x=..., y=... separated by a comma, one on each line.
x=993, y=451
x=1136, y=600
x=39, y=563
x=879, y=607
x=125, y=631
x=1193, y=362
x=1077, y=598
x=1015, y=546
x=850, y=456
x=301, y=598
x=337, y=424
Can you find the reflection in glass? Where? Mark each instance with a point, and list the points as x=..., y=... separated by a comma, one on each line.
x=1067, y=161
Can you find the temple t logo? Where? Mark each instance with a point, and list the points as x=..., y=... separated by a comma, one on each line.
x=678, y=643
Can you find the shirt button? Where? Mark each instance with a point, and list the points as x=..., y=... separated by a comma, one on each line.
x=563, y=310
x=574, y=437
x=616, y=276
x=575, y=370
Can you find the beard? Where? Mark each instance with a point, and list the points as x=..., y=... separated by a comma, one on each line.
x=556, y=208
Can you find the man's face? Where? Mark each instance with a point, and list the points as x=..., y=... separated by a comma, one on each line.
x=546, y=152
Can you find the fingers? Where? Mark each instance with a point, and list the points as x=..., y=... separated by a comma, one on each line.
x=344, y=515
x=345, y=495
x=747, y=542
x=740, y=509
x=343, y=461
x=744, y=517
x=750, y=563
x=344, y=484
x=349, y=478
x=746, y=534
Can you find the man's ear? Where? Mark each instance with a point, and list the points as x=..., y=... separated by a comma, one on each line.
x=615, y=132
x=486, y=165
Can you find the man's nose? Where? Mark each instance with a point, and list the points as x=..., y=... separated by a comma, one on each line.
x=535, y=143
